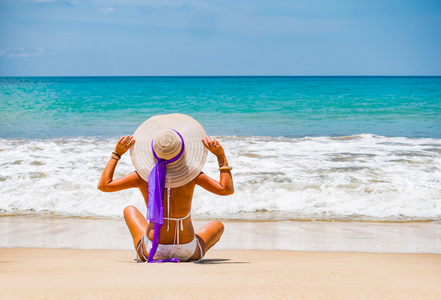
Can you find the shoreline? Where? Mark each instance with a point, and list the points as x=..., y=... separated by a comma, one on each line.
x=33, y=231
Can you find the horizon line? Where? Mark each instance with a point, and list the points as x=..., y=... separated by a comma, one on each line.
x=199, y=76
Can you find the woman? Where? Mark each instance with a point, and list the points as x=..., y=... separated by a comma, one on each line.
x=169, y=153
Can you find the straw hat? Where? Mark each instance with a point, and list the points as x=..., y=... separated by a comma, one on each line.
x=167, y=144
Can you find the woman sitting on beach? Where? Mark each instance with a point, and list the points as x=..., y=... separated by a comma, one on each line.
x=168, y=156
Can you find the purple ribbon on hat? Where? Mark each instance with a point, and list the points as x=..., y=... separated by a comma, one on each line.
x=155, y=210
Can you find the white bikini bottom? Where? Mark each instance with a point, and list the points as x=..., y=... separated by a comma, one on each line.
x=183, y=252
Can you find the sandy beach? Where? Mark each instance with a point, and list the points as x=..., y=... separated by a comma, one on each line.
x=53, y=258
x=224, y=274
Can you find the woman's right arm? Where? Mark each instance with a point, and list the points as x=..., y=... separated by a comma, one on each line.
x=106, y=183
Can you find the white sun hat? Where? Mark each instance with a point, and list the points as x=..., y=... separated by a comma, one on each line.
x=161, y=129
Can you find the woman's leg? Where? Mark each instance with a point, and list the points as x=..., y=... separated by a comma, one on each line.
x=136, y=223
x=208, y=236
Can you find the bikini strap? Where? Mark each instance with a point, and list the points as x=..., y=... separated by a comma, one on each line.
x=200, y=250
x=142, y=247
x=179, y=221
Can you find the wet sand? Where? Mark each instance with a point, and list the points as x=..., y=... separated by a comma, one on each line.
x=84, y=233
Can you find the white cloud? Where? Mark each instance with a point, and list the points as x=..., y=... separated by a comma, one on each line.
x=41, y=1
x=107, y=10
x=22, y=52
x=66, y=2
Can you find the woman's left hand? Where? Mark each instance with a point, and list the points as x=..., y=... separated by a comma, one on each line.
x=124, y=144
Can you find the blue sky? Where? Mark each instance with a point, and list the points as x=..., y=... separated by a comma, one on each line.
x=203, y=37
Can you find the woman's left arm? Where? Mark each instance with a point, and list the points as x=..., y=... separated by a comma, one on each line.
x=106, y=183
x=225, y=184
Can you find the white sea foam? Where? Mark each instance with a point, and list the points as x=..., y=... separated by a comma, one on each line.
x=361, y=177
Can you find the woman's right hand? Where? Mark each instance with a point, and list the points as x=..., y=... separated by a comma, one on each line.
x=213, y=146
x=124, y=144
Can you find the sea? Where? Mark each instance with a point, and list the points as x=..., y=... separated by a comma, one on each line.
x=301, y=148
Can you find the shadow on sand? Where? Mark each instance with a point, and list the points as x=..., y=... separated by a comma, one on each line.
x=214, y=261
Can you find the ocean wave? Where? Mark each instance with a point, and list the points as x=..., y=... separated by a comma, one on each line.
x=357, y=177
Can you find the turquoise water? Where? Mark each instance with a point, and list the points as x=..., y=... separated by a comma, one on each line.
x=246, y=106
x=302, y=148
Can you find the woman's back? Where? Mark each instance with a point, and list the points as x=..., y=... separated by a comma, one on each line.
x=178, y=206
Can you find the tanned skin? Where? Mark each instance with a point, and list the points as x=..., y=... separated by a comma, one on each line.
x=180, y=200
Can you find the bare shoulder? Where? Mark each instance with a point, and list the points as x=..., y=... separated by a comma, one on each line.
x=202, y=177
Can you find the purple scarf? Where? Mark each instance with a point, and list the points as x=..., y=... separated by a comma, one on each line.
x=155, y=211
